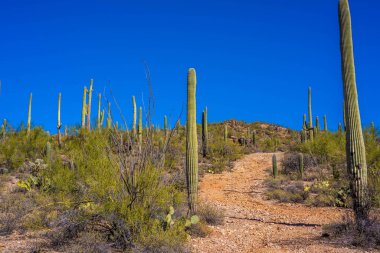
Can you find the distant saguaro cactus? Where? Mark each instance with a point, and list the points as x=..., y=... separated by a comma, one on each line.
x=84, y=107
x=89, y=105
x=140, y=127
x=166, y=125
x=317, y=126
x=99, y=118
x=191, y=143
x=225, y=132
x=309, y=109
x=301, y=164
x=325, y=123
x=109, y=118
x=4, y=128
x=59, y=125
x=29, y=114
x=48, y=151
x=339, y=127
x=253, y=137
x=355, y=148
x=274, y=166
x=134, y=117
x=204, y=133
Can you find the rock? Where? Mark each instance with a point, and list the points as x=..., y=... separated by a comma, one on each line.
x=3, y=170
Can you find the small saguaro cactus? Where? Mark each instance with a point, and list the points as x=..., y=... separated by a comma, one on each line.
x=29, y=114
x=99, y=119
x=325, y=123
x=140, y=128
x=109, y=119
x=59, y=125
x=373, y=130
x=317, y=126
x=339, y=127
x=309, y=109
x=253, y=137
x=301, y=164
x=134, y=116
x=48, y=151
x=225, y=132
x=355, y=148
x=89, y=105
x=204, y=133
x=274, y=166
x=191, y=143
x=4, y=128
x=84, y=107
x=166, y=125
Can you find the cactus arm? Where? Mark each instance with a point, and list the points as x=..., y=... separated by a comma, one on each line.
x=89, y=105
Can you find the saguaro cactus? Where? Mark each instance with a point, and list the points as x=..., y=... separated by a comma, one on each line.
x=301, y=164
x=89, y=105
x=59, y=125
x=204, y=133
x=274, y=166
x=166, y=125
x=140, y=127
x=253, y=137
x=134, y=116
x=344, y=116
x=109, y=119
x=339, y=127
x=191, y=143
x=325, y=123
x=317, y=124
x=99, y=118
x=309, y=109
x=355, y=149
x=225, y=132
x=84, y=105
x=29, y=114
x=4, y=128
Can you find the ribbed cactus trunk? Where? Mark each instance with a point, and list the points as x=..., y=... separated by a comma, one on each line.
x=191, y=143
x=309, y=109
x=325, y=123
x=89, y=105
x=274, y=166
x=84, y=105
x=355, y=149
x=204, y=133
x=109, y=119
x=59, y=125
x=344, y=116
x=225, y=133
x=134, y=117
x=166, y=125
x=301, y=164
x=29, y=114
x=99, y=117
x=140, y=128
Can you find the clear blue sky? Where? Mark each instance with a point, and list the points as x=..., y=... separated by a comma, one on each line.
x=254, y=59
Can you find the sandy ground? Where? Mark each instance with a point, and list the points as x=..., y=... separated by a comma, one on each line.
x=255, y=224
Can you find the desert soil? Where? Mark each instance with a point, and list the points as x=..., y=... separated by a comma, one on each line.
x=256, y=224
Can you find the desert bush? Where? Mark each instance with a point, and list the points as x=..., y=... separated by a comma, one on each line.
x=210, y=214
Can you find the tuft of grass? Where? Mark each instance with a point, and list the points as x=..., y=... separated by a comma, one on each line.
x=211, y=215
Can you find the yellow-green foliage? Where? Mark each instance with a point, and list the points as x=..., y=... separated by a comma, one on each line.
x=17, y=147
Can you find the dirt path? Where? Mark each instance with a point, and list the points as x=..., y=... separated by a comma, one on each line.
x=254, y=224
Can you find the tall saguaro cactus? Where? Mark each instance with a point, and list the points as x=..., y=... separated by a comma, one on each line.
x=84, y=105
x=225, y=132
x=166, y=128
x=99, y=119
x=59, y=125
x=29, y=114
x=191, y=143
x=134, y=116
x=355, y=149
x=309, y=109
x=325, y=123
x=204, y=133
x=274, y=166
x=140, y=128
x=89, y=105
x=109, y=119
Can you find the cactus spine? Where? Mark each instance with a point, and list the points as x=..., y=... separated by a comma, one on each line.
x=29, y=114
x=89, y=105
x=191, y=143
x=355, y=148
x=204, y=133
x=301, y=164
x=139, y=128
x=59, y=125
x=325, y=123
x=84, y=105
x=134, y=116
x=109, y=120
x=274, y=166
